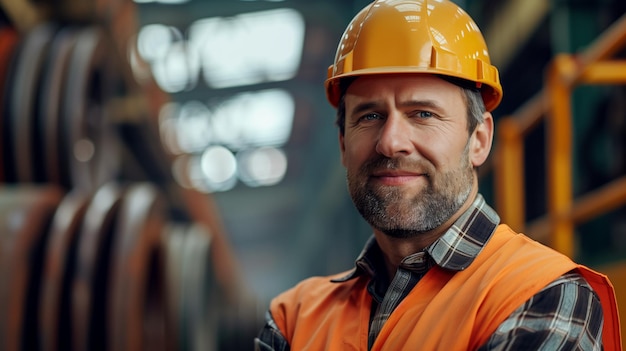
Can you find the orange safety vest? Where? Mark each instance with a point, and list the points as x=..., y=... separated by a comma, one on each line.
x=446, y=310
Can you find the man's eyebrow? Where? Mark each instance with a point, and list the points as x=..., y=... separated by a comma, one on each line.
x=370, y=105
x=365, y=106
x=421, y=103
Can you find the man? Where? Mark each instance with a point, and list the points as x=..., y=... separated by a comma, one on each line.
x=413, y=86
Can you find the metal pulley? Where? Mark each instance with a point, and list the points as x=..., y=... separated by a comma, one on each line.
x=138, y=297
x=85, y=261
x=89, y=136
x=89, y=298
x=55, y=322
x=25, y=88
x=55, y=164
x=56, y=126
x=26, y=213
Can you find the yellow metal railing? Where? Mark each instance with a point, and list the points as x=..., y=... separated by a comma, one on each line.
x=596, y=65
x=553, y=104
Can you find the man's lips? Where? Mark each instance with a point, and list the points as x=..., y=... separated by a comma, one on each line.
x=396, y=177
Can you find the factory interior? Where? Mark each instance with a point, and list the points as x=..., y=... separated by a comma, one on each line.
x=167, y=167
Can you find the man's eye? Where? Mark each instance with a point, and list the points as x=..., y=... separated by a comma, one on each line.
x=424, y=114
x=370, y=117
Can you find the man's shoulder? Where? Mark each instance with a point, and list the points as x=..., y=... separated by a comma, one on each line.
x=524, y=244
x=316, y=284
x=513, y=259
x=572, y=278
x=318, y=288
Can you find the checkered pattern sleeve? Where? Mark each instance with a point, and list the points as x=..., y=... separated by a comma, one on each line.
x=270, y=338
x=565, y=315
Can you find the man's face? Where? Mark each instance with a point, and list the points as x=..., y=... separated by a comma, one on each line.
x=407, y=150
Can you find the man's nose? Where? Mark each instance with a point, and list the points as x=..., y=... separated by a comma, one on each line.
x=394, y=136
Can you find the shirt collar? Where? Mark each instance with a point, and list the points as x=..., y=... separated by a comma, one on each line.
x=455, y=250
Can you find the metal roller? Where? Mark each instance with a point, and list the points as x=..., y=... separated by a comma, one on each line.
x=199, y=291
x=174, y=241
x=8, y=44
x=56, y=165
x=55, y=321
x=88, y=137
x=138, y=308
x=91, y=274
x=25, y=215
x=192, y=285
x=23, y=100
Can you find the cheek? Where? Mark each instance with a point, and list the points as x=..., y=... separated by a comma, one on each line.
x=444, y=153
x=355, y=151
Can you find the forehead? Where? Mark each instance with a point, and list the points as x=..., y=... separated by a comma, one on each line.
x=401, y=87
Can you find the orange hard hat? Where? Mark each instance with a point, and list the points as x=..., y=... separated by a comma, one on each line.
x=414, y=36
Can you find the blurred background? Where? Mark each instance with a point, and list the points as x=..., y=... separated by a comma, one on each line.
x=169, y=166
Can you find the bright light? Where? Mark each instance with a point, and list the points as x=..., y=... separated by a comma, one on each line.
x=262, y=167
x=236, y=51
x=247, y=120
x=178, y=70
x=155, y=40
x=219, y=169
x=255, y=119
x=174, y=66
x=194, y=132
x=249, y=48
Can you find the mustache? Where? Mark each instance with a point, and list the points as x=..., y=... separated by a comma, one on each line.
x=386, y=163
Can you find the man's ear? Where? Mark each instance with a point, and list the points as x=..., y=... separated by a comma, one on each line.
x=481, y=140
x=342, y=148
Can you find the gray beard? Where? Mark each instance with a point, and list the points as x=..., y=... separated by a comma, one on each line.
x=388, y=211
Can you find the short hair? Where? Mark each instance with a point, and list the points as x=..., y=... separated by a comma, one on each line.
x=473, y=98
